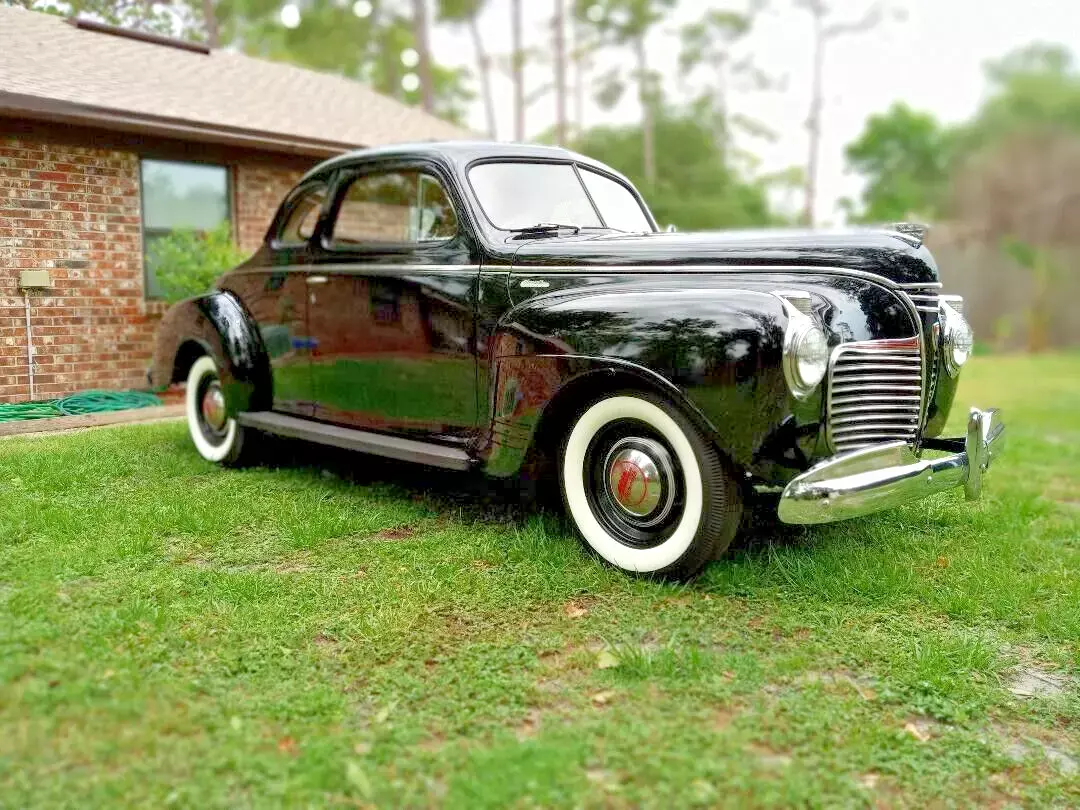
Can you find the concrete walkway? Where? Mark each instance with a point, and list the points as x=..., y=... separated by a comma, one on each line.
x=90, y=420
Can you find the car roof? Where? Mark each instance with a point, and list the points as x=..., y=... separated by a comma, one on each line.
x=461, y=154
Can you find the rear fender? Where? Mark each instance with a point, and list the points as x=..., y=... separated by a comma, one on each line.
x=716, y=353
x=219, y=325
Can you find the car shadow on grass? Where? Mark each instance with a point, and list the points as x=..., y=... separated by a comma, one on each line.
x=513, y=501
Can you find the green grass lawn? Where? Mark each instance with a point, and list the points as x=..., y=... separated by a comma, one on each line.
x=340, y=631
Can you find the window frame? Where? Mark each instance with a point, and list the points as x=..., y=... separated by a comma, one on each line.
x=287, y=207
x=576, y=164
x=151, y=231
x=343, y=180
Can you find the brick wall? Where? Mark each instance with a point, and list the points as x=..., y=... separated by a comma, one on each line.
x=258, y=193
x=75, y=212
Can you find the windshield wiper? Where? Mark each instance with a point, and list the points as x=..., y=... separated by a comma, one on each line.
x=547, y=227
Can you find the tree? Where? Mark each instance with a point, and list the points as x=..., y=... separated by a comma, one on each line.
x=559, y=25
x=825, y=32
x=210, y=24
x=1034, y=88
x=695, y=189
x=905, y=157
x=627, y=23
x=517, y=69
x=708, y=45
x=420, y=35
x=167, y=19
x=332, y=38
x=467, y=12
x=1023, y=194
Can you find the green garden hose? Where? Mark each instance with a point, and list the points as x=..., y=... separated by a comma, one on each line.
x=78, y=404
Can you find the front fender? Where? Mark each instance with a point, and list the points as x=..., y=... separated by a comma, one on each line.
x=716, y=351
x=219, y=325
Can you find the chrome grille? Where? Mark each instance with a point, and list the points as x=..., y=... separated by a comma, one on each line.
x=924, y=296
x=874, y=393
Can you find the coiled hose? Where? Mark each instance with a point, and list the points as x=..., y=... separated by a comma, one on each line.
x=78, y=404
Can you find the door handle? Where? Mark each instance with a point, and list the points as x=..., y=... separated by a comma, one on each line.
x=317, y=279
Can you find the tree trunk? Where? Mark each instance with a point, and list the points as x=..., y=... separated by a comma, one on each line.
x=579, y=77
x=420, y=34
x=517, y=69
x=483, y=63
x=813, y=123
x=648, y=123
x=560, y=73
x=210, y=21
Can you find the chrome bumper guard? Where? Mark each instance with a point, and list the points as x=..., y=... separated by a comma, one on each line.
x=886, y=475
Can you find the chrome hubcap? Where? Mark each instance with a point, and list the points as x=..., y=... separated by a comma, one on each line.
x=641, y=479
x=213, y=406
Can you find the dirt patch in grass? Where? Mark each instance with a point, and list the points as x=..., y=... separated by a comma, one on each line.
x=1032, y=682
x=396, y=533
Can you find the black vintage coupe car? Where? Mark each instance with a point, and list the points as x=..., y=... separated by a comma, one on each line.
x=490, y=306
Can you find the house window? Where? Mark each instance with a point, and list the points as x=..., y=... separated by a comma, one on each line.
x=179, y=195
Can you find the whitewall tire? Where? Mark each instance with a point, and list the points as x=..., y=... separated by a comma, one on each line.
x=216, y=437
x=646, y=490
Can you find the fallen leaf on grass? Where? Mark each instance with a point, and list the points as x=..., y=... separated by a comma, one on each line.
x=603, y=698
x=918, y=733
x=287, y=745
x=606, y=659
x=356, y=777
x=530, y=725
x=575, y=610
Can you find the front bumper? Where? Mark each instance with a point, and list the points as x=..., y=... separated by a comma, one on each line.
x=886, y=475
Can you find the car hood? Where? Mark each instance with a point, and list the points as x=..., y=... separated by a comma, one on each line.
x=899, y=257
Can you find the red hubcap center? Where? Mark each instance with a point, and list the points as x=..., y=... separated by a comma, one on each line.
x=631, y=489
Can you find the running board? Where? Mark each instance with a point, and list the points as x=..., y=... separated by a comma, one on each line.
x=377, y=444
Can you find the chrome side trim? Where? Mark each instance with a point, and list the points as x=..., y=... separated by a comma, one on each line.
x=360, y=268
x=735, y=269
x=891, y=474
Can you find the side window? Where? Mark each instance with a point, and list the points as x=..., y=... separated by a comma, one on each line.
x=395, y=207
x=299, y=225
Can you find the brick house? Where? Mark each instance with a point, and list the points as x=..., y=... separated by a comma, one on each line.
x=109, y=139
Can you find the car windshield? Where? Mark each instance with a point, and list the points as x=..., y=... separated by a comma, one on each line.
x=519, y=196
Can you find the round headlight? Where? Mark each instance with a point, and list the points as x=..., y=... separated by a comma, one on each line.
x=806, y=355
x=957, y=339
x=811, y=357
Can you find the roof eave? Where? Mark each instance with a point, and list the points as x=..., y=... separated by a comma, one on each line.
x=18, y=105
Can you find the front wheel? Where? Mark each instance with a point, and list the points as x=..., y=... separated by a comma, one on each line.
x=647, y=491
x=216, y=436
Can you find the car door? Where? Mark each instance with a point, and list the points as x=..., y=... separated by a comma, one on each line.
x=273, y=287
x=391, y=306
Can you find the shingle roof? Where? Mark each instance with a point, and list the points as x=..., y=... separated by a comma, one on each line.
x=55, y=69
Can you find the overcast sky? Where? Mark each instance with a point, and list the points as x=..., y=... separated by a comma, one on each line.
x=932, y=59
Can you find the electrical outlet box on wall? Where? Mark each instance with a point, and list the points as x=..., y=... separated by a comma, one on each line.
x=34, y=279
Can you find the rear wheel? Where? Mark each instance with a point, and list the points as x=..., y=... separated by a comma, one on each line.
x=647, y=491
x=216, y=436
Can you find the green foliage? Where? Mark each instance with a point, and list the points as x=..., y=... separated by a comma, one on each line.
x=1035, y=87
x=695, y=190
x=182, y=18
x=622, y=21
x=904, y=155
x=187, y=262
